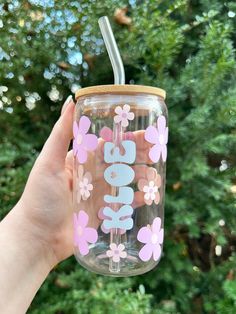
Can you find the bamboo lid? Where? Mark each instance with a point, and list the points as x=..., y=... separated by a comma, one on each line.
x=120, y=89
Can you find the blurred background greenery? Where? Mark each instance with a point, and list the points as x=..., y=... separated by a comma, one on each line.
x=49, y=49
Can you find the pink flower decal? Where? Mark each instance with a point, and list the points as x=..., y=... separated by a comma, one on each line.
x=107, y=135
x=123, y=115
x=84, y=186
x=150, y=186
x=83, y=234
x=116, y=252
x=152, y=236
x=83, y=142
x=159, y=137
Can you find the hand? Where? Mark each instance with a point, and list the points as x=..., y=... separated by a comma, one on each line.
x=45, y=208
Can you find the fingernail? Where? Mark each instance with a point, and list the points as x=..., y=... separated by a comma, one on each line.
x=66, y=103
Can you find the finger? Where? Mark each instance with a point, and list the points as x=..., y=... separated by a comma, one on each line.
x=69, y=160
x=69, y=168
x=56, y=147
x=138, y=200
x=66, y=103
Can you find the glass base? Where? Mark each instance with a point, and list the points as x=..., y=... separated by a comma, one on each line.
x=97, y=261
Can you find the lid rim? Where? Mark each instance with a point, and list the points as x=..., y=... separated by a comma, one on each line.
x=120, y=89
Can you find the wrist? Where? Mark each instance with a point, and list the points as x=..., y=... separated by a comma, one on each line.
x=19, y=232
x=25, y=262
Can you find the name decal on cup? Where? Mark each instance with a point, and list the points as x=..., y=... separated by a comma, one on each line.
x=119, y=175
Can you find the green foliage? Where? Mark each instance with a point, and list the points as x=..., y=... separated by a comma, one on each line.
x=185, y=47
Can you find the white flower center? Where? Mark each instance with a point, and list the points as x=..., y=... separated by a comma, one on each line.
x=124, y=115
x=80, y=231
x=79, y=139
x=154, y=238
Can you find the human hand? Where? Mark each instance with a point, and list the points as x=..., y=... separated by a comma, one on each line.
x=45, y=207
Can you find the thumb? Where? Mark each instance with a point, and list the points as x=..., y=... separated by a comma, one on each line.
x=56, y=147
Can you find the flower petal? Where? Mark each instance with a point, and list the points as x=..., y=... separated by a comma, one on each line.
x=81, y=185
x=90, y=142
x=126, y=108
x=161, y=236
x=156, y=252
x=151, y=173
x=75, y=147
x=155, y=189
x=84, y=125
x=151, y=184
x=87, y=194
x=155, y=153
x=161, y=124
x=75, y=129
x=83, y=247
x=164, y=152
x=121, y=247
x=156, y=225
x=90, y=234
x=116, y=258
x=158, y=180
x=149, y=201
x=123, y=254
x=130, y=116
x=85, y=181
x=145, y=253
x=147, y=196
x=88, y=176
x=152, y=196
x=157, y=198
x=141, y=184
x=144, y=235
x=146, y=188
x=113, y=246
x=124, y=122
x=166, y=135
x=90, y=187
x=109, y=253
x=84, y=198
x=81, y=154
x=118, y=110
x=117, y=119
x=80, y=172
x=83, y=218
x=107, y=134
x=151, y=135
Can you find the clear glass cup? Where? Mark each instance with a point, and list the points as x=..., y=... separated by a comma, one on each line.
x=120, y=136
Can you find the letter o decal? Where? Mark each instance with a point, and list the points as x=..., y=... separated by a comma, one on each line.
x=119, y=175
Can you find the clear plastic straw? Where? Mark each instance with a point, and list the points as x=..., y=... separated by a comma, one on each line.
x=119, y=78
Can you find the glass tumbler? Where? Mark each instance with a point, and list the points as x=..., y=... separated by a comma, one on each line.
x=120, y=150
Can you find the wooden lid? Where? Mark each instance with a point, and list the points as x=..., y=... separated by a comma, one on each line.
x=120, y=89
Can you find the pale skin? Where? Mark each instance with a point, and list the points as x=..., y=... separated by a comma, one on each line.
x=38, y=233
